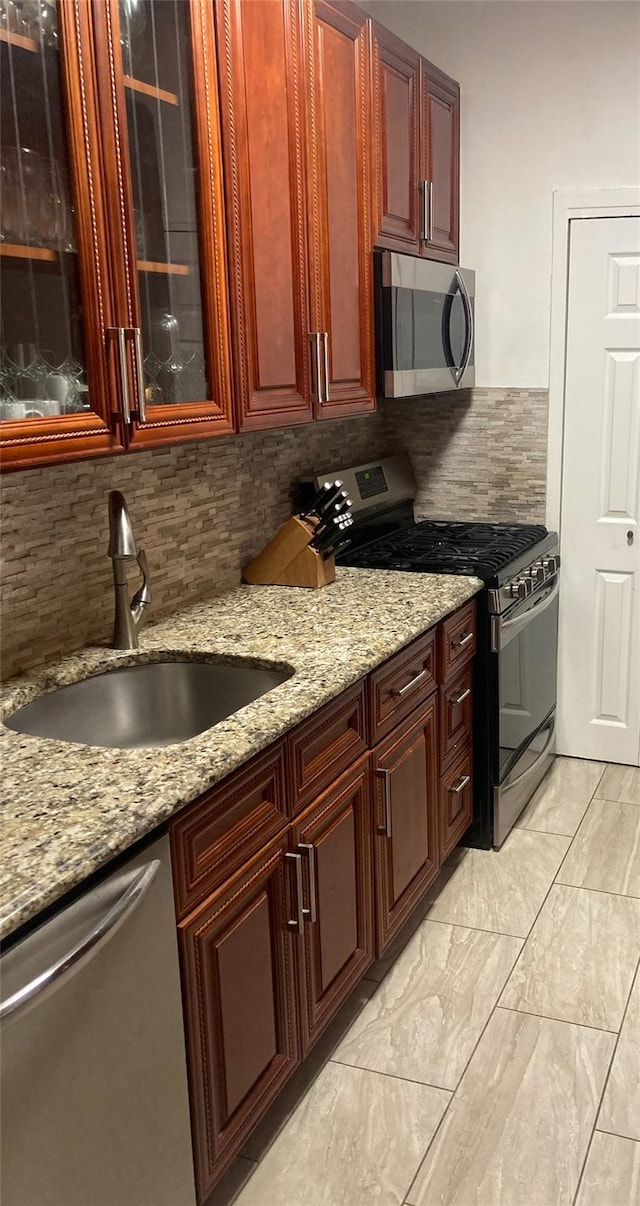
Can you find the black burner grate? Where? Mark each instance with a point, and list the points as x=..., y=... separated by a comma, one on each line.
x=440, y=546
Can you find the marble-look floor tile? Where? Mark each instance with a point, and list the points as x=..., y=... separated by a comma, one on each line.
x=517, y=1130
x=611, y=1174
x=605, y=853
x=502, y=890
x=426, y=1018
x=620, y=1111
x=561, y=800
x=295, y=1089
x=620, y=783
x=579, y=960
x=356, y=1138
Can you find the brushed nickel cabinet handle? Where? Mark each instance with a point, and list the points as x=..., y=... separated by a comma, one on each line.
x=464, y=640
x=412, y=683
x=296, y=923
x=119, y=334
x=425, y=210
x=453, y=702
x=455, y=791
x=137, y=348
x=312, y=912
x=327, y=374
x=430, y=236
x=315, y=338
x=386, y=776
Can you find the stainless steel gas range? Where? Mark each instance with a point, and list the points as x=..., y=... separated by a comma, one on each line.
x=515, y=666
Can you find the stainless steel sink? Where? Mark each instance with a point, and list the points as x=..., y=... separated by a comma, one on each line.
x=146, y=705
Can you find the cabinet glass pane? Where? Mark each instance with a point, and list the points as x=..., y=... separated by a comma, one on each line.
x=155, y=37
x=42, y=369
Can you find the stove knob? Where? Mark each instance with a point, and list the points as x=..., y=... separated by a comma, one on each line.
x=538, y=572
x=521, y=588
x=551, y=565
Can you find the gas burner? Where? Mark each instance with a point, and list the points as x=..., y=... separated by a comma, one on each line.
x=450, y=548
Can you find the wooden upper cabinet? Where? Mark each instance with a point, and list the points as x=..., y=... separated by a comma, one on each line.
x=440, y=146
x=398, y=161
x=261, y=58
x=416, y=114
x=163, y=180
x=339, y=213
x=56, y=394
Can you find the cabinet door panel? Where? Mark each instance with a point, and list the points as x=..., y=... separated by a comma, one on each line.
x=405, y=820
x=239, y=1008
x=396, y=84
x=340, y=234
x=338, y=946
x=456, y=802
x=441, y=151
x=263, y=116
x=56, y=395
x=161, y=141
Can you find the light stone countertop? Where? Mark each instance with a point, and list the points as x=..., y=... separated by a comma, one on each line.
x=69, y=808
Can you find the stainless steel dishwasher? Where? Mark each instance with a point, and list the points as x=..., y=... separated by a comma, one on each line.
x=94, y=1090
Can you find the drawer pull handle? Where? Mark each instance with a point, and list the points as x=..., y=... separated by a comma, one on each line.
x=455, y=791
x=296, y=923
x=464, y=640
x=312, y=912
x=454, y=702
x=403, y=690
x=386, y=776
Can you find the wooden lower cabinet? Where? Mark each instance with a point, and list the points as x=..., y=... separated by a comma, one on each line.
x=333, y=839
x=240, y=1010
x=405, y=819
x=267, y=961
x=456, y=802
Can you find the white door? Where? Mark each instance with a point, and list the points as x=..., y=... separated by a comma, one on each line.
x=599, y=638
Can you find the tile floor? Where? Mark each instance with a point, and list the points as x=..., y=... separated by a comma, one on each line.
x=493, y=1057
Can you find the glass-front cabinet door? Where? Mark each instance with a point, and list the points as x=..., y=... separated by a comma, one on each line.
x=163, y=178
x=55, y=391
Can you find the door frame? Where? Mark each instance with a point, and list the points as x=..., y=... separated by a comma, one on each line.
x=569, y=205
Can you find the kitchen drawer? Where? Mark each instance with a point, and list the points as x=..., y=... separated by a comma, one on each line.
x=326, y=745
x=456, y=715
x=456, y=802
x=457, y=640
x=402, y=683
x=227, y=826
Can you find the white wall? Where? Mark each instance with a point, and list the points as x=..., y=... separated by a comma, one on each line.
x=550, y=100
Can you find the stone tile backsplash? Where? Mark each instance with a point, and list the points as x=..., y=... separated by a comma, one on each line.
x=477, y=454
x=203, y=510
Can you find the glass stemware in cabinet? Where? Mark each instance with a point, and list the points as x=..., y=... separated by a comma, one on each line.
x=155, y=44
x=42, y=360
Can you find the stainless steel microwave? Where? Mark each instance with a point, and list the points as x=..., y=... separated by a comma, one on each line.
x=424, y=324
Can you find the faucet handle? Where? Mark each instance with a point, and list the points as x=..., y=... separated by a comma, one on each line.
x=142, y=597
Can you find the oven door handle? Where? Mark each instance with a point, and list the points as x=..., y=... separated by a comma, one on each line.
x=525, y=774
x=504, y=631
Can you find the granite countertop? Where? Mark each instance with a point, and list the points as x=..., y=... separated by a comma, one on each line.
x=69, y=808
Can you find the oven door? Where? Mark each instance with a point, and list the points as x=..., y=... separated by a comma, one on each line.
x=525, y=640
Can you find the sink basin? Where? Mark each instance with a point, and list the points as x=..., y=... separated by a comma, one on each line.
x=146, y=705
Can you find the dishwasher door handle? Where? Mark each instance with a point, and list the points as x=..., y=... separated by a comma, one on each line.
x=100, y=933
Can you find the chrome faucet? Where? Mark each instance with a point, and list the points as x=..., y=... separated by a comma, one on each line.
x=129, y=616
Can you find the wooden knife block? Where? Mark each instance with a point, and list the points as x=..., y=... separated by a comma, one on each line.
x=288, y=560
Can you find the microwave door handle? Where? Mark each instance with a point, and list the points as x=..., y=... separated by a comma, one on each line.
x=468, y=343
